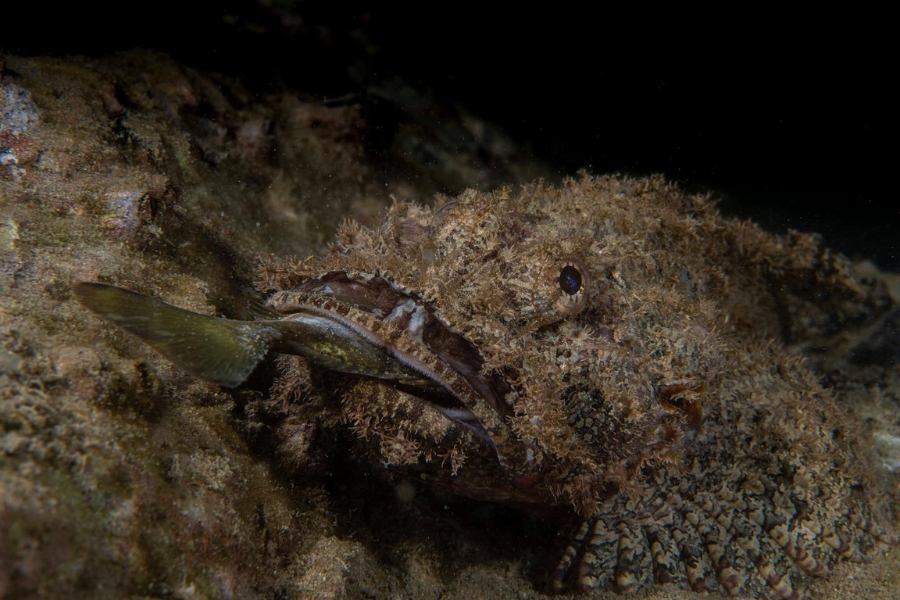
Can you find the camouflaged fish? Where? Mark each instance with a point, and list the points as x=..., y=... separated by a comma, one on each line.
x=613, y=346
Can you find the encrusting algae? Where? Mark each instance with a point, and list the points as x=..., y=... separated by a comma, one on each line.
x=612, y=345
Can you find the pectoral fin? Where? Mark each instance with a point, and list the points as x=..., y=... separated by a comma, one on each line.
x=218, y=350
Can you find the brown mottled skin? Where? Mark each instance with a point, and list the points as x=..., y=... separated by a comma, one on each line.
x=620, y=345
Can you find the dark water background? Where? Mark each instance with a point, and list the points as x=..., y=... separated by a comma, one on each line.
x=789, y=119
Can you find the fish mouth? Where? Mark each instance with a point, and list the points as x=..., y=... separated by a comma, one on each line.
x=409, y=346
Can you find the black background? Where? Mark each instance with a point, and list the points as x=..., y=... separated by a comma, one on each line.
x=790, y=119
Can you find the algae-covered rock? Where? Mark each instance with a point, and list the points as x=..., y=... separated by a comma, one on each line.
x=120, y=476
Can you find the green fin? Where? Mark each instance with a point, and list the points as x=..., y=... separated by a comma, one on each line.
x=218, y=350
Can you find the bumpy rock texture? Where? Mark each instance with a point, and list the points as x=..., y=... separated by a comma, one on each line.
x=115, y=475
x=122, y=477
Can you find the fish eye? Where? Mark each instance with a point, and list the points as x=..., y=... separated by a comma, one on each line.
x=570, y=280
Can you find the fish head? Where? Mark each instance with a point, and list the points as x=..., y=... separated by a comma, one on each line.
x=542, y=341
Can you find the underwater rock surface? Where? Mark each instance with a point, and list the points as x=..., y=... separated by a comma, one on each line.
x=124, y=477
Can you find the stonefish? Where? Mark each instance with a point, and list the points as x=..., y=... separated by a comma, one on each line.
x=612, y=345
